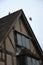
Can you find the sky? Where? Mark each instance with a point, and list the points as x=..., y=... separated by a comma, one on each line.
x=31, y=8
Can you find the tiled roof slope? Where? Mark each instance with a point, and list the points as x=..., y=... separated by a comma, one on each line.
x=6, y=22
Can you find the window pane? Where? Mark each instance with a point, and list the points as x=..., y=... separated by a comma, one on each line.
x=21, y=60
x=27, y=43
x=23, y=41
x=37, y=62
x=19, y=39
x=28, y=61
x=33, y=62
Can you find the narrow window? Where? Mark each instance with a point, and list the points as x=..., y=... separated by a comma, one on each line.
x=27, y=43
x=19, y=41
x=24, y=41
x=28, y=61
x=35, y=62
x=21, y=60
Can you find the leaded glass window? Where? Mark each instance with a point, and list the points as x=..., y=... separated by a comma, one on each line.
x=27, y=43
x=23, y=41
x=19, y=41
x=28, y=61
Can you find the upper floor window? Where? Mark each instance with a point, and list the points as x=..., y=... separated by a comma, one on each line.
x=23, y=41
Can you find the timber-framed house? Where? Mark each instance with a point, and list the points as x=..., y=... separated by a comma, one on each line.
x=18, y=44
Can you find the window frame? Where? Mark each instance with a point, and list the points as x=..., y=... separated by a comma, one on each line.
x=31, y=60
x=28, y=37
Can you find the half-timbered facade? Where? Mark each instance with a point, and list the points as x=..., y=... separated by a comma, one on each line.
x=18, y=44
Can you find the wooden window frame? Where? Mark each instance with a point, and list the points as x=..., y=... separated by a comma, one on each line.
x=16, y=32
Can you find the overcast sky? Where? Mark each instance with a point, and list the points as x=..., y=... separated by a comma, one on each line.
x=31, y=8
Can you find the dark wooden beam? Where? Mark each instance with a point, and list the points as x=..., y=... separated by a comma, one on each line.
x=26, y=52
x=11, y=42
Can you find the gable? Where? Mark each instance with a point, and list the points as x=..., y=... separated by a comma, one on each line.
x=11, y=18
x=21, y=27
x=31, y=33
x=25, y=37
x=6, y=23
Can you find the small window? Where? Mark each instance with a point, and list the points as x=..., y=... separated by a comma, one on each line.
x=28, y=61
x=21, y=60
x=24, y=41
x=37, y=62
x=27, y=43
x=19, y=41
x=25, y=60
x=33, y=61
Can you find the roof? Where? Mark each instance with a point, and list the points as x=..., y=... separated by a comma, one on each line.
x=7, y=21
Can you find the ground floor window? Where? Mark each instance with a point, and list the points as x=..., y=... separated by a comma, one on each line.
x=23, y=60
x=33, y=61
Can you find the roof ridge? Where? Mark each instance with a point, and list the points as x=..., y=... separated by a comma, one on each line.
x=9, y=19
x=11, y=14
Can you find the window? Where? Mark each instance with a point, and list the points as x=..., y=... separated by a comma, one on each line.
x=27, y=43
x=19, y=39
x=21, y=60
x=25, y=60
x=28, y=61
x=32, y=61
x=35, y=62
x=23, y=41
